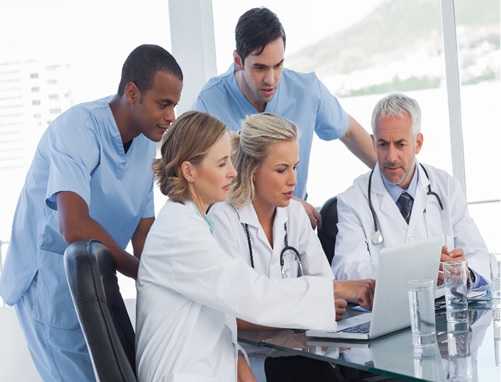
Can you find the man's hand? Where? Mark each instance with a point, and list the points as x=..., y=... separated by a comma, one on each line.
x=457, y=254
x=244, y=372
x=340, y=307
x=359, y=292
x=312, y=213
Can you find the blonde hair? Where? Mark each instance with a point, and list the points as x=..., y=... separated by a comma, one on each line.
x=250, y=147
x=188, y=139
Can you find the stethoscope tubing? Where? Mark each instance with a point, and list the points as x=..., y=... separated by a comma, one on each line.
x=286, y=248
x=377, y=237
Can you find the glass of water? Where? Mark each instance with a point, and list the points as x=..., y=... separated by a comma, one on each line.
x=456, y=289
x=460, y=362
x=496, y=278
x=422, y=314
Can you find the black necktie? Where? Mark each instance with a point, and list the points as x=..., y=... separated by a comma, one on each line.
x=404, y=204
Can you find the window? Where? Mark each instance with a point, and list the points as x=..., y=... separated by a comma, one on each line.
x=75, y=53
x=478, y=33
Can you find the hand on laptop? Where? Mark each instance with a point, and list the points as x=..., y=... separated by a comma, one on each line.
x=359, y=292
x=340, y=307
x=457, y=254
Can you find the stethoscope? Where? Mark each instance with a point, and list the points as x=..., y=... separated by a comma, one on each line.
x=377, y=237
x=287, y=249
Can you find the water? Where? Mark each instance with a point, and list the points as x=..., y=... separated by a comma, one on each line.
x=495, y=264
x=422, y=314
x=456, y=303
x=460, y=369
x=459, y=363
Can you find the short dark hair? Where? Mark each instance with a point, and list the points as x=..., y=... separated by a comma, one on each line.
x=255, y=29
x=142, y=64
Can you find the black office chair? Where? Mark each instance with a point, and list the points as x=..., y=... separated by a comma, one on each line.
x=328, y=227
x=91, y=275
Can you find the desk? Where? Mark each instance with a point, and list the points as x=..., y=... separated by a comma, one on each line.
x=474, y=353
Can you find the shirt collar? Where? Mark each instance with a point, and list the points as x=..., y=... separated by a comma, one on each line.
x=395, y=190
x=235, y=89
x=193, y=207
x=247, y=215
x=116, y=138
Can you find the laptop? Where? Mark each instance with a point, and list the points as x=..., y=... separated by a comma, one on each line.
x=390, y=308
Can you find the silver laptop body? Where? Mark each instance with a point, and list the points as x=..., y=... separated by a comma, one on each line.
x=390, y=309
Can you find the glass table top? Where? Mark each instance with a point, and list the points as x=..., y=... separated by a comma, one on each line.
x=470, y=353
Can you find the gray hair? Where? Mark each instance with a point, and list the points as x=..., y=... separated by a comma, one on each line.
x=395, y=105
x=250, y=148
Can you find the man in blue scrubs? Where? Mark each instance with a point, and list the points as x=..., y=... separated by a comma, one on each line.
x=91, y=178
x=257, y=82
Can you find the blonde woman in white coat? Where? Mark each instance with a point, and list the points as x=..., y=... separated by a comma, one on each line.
x=262, y=223
x=189, y=289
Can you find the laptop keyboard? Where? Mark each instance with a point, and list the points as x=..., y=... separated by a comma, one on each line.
x=362, y=328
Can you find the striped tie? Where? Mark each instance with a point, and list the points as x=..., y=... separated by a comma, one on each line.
x=404, y=204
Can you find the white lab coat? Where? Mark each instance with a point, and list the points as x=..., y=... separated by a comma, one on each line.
x=454, y=225
x=227, y=222
x=228, y=229
x=190, y=291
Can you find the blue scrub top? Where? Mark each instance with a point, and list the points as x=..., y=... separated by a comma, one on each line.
x=300, y=97
x=82, y=152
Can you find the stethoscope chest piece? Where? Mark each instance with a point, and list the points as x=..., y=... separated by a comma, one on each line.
x=377, y=238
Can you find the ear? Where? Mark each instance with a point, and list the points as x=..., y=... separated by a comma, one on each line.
x=132, y=93
x=188, y=171
x=237, y=60
x=419, y=142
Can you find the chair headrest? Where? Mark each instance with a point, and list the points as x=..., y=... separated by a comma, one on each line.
x=86, y=262
x=328, y=213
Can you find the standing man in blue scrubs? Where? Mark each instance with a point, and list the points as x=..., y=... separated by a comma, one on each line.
x=91, y=178
x=257, y=82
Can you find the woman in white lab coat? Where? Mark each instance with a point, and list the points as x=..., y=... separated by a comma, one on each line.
x=189, y=289
x=263, y=224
